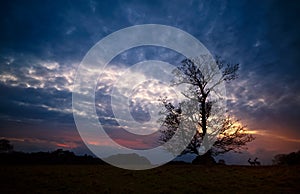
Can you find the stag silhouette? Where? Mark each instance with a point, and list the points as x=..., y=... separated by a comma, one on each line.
x=252, y=163
x=257, y=163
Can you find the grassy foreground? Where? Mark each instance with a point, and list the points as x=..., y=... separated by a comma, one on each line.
x=165, y=179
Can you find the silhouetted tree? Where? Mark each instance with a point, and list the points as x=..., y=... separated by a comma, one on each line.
x=232, y=137
x=203, y=75
x=5, y=146
x=287, y=159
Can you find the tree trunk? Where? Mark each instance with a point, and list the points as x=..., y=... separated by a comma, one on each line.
x=205, y=159
x=204, y=123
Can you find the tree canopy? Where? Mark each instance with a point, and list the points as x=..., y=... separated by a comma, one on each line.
x=287, y=159
x=201, y=107
x=5, y=146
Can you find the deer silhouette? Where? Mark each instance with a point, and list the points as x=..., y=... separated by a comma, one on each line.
x=252, y=163
x=257, y=163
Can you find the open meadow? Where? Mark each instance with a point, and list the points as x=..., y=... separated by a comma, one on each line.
x=165, y=179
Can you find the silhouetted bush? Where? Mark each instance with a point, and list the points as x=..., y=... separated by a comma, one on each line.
x=287, y=159
x=205, y=159
x=5, y=146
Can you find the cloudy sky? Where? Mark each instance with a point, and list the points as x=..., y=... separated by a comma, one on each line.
x=43, y=42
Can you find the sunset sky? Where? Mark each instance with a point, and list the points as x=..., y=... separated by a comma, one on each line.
x=43, y=42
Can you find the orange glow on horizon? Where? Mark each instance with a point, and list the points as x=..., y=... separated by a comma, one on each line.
x=272, y=135
x=63, y=145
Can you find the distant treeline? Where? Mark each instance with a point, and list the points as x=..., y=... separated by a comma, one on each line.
x=287, y=159
x=58, y=156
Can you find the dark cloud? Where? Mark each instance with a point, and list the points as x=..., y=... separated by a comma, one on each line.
x=29, y=103
x=53, y=29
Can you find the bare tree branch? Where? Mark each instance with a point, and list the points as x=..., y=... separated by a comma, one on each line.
x=203, y=77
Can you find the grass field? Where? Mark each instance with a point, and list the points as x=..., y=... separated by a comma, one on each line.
x=165, y=179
